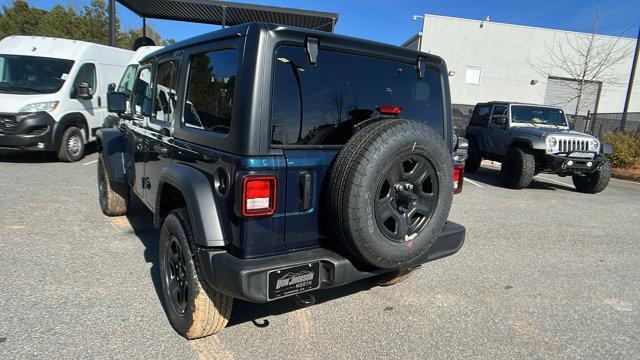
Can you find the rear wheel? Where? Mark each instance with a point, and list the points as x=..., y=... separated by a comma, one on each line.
x=518, y=168
x=390, y=192
x=474, y=159
x=72, y=145
x=594, y=182
x=193, y=307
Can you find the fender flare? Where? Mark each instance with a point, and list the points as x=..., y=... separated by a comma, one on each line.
x=111, y=144
x=74, y=118
x=201, y=203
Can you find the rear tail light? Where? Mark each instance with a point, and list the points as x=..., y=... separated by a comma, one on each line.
x=390, y=110
x=258, y=196
x=458, y=178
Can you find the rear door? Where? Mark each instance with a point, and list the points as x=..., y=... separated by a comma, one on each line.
x=497, y=135
x=315, y=110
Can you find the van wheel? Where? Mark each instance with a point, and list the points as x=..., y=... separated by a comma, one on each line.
x=595, y=182
x=193, y=307
x=114, y=196
x=72, y=145
x=518, y=168
x=393, y=277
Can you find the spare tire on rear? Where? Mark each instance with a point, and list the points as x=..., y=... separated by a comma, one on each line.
x=390, y=192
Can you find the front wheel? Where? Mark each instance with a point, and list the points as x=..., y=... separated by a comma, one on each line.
x=72, y=145
x=472, y=164
x=193, y=307
x=518, y=168
x=594, y=182
x=113, y=196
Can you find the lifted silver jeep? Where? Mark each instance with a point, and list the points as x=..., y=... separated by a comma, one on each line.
x=530, y=139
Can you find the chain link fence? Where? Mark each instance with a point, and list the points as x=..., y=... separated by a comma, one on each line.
x=594, y=124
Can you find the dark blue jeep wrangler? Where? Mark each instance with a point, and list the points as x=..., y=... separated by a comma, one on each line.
x=280, y=160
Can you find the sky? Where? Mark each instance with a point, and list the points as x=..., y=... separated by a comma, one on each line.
x=392, y=21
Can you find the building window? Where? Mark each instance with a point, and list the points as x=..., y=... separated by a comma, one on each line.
x=473, y=76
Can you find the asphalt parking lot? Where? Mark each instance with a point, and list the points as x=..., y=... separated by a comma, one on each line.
x=546, y=272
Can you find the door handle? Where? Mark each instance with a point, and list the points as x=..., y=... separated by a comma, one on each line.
x=160, y=149
x=304, y=185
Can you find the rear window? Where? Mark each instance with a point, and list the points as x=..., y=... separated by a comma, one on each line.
x=319, y=105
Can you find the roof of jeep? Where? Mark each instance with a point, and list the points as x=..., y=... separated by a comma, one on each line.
x=516, y=103
x=245, y=29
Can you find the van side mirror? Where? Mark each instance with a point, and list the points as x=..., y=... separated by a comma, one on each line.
x=111, y=87
x=117, y=102
x=83, y=91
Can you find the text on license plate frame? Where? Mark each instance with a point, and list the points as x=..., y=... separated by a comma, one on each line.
x=293, y=280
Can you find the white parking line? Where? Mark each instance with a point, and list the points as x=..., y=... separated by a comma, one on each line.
x=90, y=162
x=553, y=180
x=472, y=182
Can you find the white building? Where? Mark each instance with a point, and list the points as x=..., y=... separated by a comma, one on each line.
x=494, y=61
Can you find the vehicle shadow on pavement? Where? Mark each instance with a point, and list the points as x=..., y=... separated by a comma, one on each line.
x=141, y=220
x=491, y=176
x=259, y=314
x=19, y=156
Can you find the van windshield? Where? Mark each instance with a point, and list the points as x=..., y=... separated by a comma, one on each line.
x=32, y=75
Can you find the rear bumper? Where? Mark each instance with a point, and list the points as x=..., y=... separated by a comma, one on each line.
x=27, y=131
x=247, y=278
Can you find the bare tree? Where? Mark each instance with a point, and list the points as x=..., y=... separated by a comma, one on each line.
x=583, y=59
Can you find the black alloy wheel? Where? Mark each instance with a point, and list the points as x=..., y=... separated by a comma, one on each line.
x=176, y=277
x=407, y=196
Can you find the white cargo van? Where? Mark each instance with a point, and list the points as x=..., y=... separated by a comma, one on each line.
x=53, y=92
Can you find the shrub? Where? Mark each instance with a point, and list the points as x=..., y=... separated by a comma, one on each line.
x=626, y=148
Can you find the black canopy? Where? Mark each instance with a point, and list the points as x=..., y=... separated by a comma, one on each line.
x=230, y=13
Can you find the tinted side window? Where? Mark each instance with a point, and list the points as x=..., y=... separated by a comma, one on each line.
x=87, y=74
x=480, y=115
x=319, y=105
x=500, y=110
x=210, y=90
x=141, y=98
x=165, y=91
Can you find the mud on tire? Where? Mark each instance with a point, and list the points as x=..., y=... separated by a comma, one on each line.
x=390, y=192
x=113, y=196
x=194, y=308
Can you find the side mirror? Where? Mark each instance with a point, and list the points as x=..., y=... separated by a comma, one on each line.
x=571, y=125
x=83, y=91
x=111, y=87
x=117, y=102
